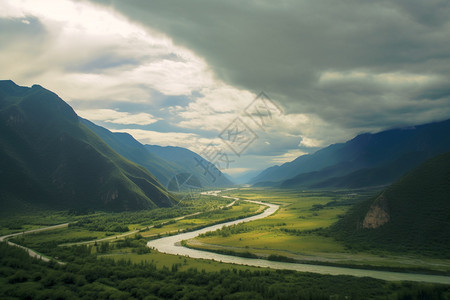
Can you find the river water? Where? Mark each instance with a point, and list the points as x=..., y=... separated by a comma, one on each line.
x=172, y=245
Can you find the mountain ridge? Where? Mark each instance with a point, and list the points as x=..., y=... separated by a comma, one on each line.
x=204, y=170
x=48, y=158
x=164, y=162
x=410, y=215
x=367, y=158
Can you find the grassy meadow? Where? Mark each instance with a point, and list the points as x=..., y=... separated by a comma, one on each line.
x=106, y=253
x=292, y=228
x=104, y=232
x=298, y=232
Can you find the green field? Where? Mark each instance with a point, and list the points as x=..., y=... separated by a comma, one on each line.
x=182, y=263
x=107, y=243
x=101, y=229
x=29, y=220
x=106, y=253
x=239, y=210
x=291, y=229
x=108, y=222
x=297, y=232
x=159, y=276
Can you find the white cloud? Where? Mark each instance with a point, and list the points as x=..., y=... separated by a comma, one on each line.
x=91, y=52
x=92, y=56
x=9, y=9
x=288, y=156
x=220, y=106
x=117, y=117
x=310, y=142
x=215, y=109
x=172, y=77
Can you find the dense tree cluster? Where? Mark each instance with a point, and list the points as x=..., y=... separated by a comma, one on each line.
x=99, y=225
x=87, y=277
x=228, y=230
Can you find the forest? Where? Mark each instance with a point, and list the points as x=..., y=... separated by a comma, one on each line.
x=89, y=277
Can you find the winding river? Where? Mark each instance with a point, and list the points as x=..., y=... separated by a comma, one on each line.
x=172, y=245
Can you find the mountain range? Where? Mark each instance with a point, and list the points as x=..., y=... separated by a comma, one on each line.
x=365, y=161
x=411, y=215
x=49, y=158
x=207, y=173
x=168, y=163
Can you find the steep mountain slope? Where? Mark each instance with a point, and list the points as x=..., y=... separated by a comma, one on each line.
x=49, y=158
x=413, y=214
x=366, y=160
x=192, y=162
x=163, y=162
x=128, y=147
x=303, y=164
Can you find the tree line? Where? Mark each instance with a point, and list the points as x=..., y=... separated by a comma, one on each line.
x=89, y=277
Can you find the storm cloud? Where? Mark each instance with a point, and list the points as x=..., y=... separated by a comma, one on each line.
x=359, y=65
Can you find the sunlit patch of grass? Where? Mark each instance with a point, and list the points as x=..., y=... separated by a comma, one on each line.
x=289, y=229
x=58, y=236
x=296, y=231
x=238, y=210
x=209, y=213
x=277, y=241
x=162, y=260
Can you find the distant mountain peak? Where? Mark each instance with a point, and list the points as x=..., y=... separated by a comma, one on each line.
x=38, y=86
x=10, y=87
x=7, y=82
x=369, y=159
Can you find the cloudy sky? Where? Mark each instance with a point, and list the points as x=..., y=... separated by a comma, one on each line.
x=188, y=73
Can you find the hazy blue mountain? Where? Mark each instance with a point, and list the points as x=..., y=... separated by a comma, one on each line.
x=130, y=148
x=245, y=177
x=166, y=163
x=411, y=215
x=306, y=163
x=366, y=160
x=48, y=158
x=193, y=163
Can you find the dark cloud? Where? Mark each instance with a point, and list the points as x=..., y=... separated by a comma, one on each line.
x=284, y=47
